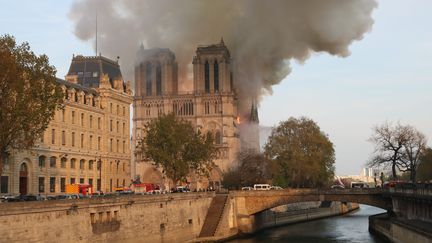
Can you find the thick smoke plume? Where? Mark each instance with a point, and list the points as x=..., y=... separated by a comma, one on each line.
x=262, y=35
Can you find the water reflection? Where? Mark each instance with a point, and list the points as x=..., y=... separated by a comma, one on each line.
x=352, y=227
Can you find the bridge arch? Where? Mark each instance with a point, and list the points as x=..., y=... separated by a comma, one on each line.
x=252, y=202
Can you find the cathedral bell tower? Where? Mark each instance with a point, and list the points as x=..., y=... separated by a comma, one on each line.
x=212, y=69
x=155, y=72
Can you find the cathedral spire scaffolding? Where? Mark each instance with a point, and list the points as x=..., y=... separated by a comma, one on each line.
x=254, y=113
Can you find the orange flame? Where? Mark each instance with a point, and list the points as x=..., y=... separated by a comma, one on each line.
x=238, y=119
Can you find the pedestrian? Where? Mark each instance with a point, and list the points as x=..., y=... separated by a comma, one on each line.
x=375, y=179
x=382, y=179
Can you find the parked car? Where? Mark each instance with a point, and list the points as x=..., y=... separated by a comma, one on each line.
x=6, y=198
x=51, y=197
x=337, y=187
x=247, y=188
x=261, y=187
x=27, y=198
x=181, y=189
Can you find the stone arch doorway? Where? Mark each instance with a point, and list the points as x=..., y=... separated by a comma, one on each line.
x=23, y=179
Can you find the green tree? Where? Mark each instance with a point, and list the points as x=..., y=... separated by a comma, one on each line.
x=231, y=179
x=424, y=171
x=252, y=169
x=300, y=153
x=174, y=145
x=29, y=96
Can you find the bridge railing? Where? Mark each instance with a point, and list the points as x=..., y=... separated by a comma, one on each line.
x=414, y=191
x=420, y=189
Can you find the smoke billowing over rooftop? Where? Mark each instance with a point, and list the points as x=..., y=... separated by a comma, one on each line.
x=263, y=36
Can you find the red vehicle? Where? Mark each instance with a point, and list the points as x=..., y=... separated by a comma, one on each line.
x=84, y=189
x=392, y=184
x=146, y=188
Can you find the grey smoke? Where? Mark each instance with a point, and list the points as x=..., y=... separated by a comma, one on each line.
x=262, y=35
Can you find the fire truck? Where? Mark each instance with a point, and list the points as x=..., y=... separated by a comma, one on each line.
x=84, y=189
x=146, y=188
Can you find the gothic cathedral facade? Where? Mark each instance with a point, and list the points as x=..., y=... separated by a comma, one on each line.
x=210, y=107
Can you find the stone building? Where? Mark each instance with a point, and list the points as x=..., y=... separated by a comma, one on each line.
x=211, y=106
x=87, y=142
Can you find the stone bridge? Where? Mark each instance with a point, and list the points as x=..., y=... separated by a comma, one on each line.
x=252, y=202
x=242, y=207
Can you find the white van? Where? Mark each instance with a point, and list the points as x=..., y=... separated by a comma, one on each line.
x=261, y=187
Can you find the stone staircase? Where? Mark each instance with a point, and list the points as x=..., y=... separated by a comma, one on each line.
x=214, y=215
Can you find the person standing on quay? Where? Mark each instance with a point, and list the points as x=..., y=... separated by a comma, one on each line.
x=375, y=179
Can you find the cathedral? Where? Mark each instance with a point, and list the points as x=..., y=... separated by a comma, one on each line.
x=211, y=106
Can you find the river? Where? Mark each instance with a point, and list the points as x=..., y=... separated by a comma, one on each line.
x=349, y=228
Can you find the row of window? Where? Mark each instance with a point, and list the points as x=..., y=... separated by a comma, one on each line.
x=53, y=182
x=117, y=110
x=72, y=180
x=82, y=119
x=91, y=121
x=90, y=100
x=82, y=142
x=117, y=127
x=187, y=108
x=63, y=163
x=90, y=165
x=81, y=97
x=212, y=107
x=183, y=108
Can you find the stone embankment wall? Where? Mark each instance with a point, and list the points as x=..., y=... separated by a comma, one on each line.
x=137, y=218
x=299, y=212
x=400, y=230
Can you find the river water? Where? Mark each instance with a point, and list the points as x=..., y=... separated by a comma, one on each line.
x=349, y=228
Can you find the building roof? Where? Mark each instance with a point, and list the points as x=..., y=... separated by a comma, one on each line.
x=214, y=48
x=90, y=68
x=147, y=54
x=76, y=86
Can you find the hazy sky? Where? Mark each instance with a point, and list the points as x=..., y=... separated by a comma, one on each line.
x=387, y=77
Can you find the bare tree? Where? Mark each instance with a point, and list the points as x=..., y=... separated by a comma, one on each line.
x=389, y=142
x=413, y=148
x=397, y=146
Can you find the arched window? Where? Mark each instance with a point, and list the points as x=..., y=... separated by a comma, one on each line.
x=218, y=137
x=42, y=161
x=72, y=164
x=158, y=79
x=148, y=79
x=82, y=164
x=53, y=162
x=23, y=168
x=90, y=164
x=63, y=162
x=207, y=77
x=216, y=76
